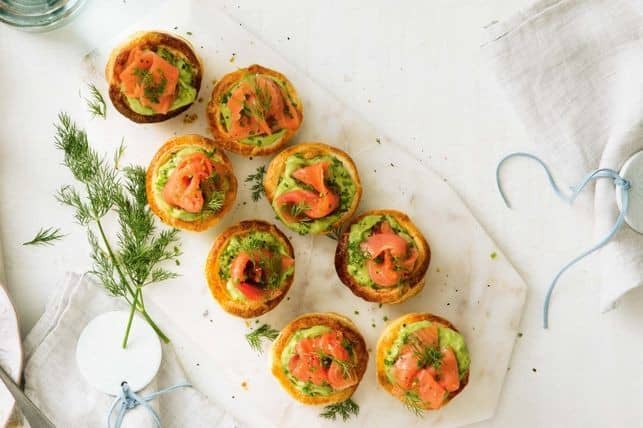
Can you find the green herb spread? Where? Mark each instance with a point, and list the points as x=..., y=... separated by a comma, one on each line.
x=186, y=93
x=338, y=179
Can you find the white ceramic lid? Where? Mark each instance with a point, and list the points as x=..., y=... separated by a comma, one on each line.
x=633, y=172
x=105, y=364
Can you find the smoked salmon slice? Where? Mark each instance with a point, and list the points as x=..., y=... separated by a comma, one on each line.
x=150, y=79
x=430, y=391
x=390, y=256
x=259, y=106
x=247, y=273
x=405, y=369
x=448, y=375
x=323, y=359
x=183, y=187
x=314, y=205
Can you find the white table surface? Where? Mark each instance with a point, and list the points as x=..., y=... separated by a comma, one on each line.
x=416, y=70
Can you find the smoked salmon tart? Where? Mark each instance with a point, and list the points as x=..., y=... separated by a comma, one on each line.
x=382, y=257
x=153, y=76
x=190, y=183
x=313, y=188
x=254, y=111
x=250, y=268
x=319, y=358
x=422, y=360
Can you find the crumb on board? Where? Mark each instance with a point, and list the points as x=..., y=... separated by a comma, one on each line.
x=233, y=57
x=190, y=118
x=244, y=385
x=493, y=255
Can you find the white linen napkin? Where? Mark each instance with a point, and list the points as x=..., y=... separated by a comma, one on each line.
x=54, y=383
x=574, y=72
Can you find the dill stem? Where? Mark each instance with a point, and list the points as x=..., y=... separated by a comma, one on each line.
x=131, y=317
x=136, y=294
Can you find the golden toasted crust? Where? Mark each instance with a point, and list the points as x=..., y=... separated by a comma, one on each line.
x=213, y=112
x=217, y=285
x=147, y=40
x=163, y=155
x=385, y=295
x=388, y=337
x=335, y=322
x=309, y=151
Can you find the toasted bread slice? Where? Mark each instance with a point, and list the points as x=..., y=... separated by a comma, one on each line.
x=388, y=337
x=277, y=167
x=148, y=40
x=416, y=278
x=214, y=112
x=335, y=322
x=217, y=285
x=163, y=155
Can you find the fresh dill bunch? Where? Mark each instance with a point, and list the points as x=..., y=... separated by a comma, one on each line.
x=256, y=337
x=345, y=409
x=257, y=180
x=413, y=403
x=137, y=255
x=96, y=102
x=45, y=237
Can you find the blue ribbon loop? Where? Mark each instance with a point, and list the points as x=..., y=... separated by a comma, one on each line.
x=128, y=400
x=619, y=182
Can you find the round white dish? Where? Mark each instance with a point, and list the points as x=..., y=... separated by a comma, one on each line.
x=105, y=364
x=10, y=352
x=633, y=172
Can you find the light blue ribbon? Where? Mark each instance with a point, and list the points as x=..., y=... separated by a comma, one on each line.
x=619, y=182
x=128, y=399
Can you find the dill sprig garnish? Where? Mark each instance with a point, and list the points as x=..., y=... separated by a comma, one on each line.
x=256, y=337
x=135, y=257
x=345, y=409
x=299, y=208
x=426, y=355
x=216, y=201
x=328, y=359
x=45, y=237
x=96, y=102
x=413, y=403
x=257, y=180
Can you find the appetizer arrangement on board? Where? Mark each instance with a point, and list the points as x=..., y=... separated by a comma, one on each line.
x=313, y=189
x=190, y=183
x=250, y=268
x=254, y=111
x=382, y=257
x=422, y=360
x=319, y=358
x=153, y=76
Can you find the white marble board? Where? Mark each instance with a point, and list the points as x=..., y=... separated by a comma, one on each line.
x=469, y=282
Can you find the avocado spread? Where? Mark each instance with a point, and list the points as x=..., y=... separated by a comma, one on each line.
x=249, y=242
x=259, y=140
x=185, y=93
x=307, y=388
x=338, y=179
x=357, y=257
x=447, y=338
x=210, y=195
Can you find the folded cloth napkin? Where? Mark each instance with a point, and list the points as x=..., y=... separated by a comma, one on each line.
x=574, y=71
x=54, y=383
